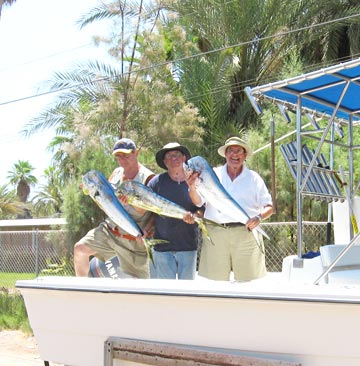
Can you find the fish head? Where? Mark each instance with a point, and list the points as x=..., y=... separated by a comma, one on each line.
x=91, y=182
x=129, y=189
x=187, y=170
x=189, y=167
x=125, y=188
x=196, y=164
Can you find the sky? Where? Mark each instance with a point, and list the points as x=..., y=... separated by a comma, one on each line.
x=38, y=38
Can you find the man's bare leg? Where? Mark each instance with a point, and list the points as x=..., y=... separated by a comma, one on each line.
x=82, y=254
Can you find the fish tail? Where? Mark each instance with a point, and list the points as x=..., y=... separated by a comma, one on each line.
x=256, y=235
x=148, y=247
x=149, y=244
x=262, y=232
x=204, y=230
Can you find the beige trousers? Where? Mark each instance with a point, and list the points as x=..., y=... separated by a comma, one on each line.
x=233, y=249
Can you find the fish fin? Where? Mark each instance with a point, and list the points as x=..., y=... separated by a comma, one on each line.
x=262, y=232
x=204, y=230
x=158, y=241
x=256, y=235
x=149, y=243
x=137, y=203
x=148, y=246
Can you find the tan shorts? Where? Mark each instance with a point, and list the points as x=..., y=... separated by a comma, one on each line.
x=132, y=255
x=233, y=249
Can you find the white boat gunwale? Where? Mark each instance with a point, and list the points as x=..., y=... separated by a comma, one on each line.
x=299, y=293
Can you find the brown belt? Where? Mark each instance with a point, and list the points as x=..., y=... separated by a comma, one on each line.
x=117, y=232
x=232, y=224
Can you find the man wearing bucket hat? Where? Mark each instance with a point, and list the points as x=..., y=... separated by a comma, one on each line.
x=178, y=257
x=234, y=248
x=110, y=243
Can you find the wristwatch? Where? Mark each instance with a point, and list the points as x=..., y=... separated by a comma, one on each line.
x=259, y=217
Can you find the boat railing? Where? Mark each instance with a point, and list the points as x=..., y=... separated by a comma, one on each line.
x=353, y=241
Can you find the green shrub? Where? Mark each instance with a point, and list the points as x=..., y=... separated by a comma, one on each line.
x=13, y=313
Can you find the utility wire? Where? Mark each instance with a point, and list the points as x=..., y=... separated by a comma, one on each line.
x=241, y=84
x=45, y=57
x=186, y=58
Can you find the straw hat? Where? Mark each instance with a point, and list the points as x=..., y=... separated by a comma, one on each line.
x=235, y=141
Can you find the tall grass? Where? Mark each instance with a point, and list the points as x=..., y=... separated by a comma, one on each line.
x=8, y=279
x=13, y=313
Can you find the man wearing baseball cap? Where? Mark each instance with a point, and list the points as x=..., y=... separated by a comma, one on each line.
x=234, y=248
x=108, y=241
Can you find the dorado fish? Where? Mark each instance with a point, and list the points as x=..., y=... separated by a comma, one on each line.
x=100, y=190
x=213, y=191
x=143, y=197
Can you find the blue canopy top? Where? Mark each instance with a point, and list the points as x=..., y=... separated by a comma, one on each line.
x=320, y=91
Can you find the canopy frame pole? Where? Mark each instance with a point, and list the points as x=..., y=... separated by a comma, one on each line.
x=300, y=183
x=325, y=133
x=299, y=198
x=351, y=172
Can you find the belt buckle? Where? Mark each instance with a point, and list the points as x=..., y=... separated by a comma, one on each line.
x=111, y=226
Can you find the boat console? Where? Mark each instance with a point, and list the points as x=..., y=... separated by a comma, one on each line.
x=345, y=266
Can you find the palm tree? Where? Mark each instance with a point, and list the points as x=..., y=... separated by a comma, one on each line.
x=235, y=48
x=335, y=40
x=21, y=177
x=246, y=42
x=5, y=2
x=48, y=200
x=96, y=83
x=9, y=204
x=136, y=98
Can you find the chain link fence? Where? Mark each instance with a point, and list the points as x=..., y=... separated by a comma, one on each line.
x=28, y=254
x=284, y=236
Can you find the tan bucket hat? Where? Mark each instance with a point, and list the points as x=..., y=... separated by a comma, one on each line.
x=235, y=141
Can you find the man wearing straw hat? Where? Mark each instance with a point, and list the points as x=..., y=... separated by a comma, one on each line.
x=234, y=248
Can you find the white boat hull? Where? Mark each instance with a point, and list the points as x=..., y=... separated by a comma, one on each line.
x=312, y=325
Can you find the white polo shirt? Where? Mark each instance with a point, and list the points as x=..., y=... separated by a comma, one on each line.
x=248, y=189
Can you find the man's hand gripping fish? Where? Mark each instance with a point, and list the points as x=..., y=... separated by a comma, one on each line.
x=100, y=190
x=143, y=197
x=212, y=190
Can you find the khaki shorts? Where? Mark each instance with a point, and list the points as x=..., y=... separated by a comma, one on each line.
x=132, y=255
x=233, y=249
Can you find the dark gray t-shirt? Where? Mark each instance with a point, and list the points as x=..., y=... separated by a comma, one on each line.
x=181, y=236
